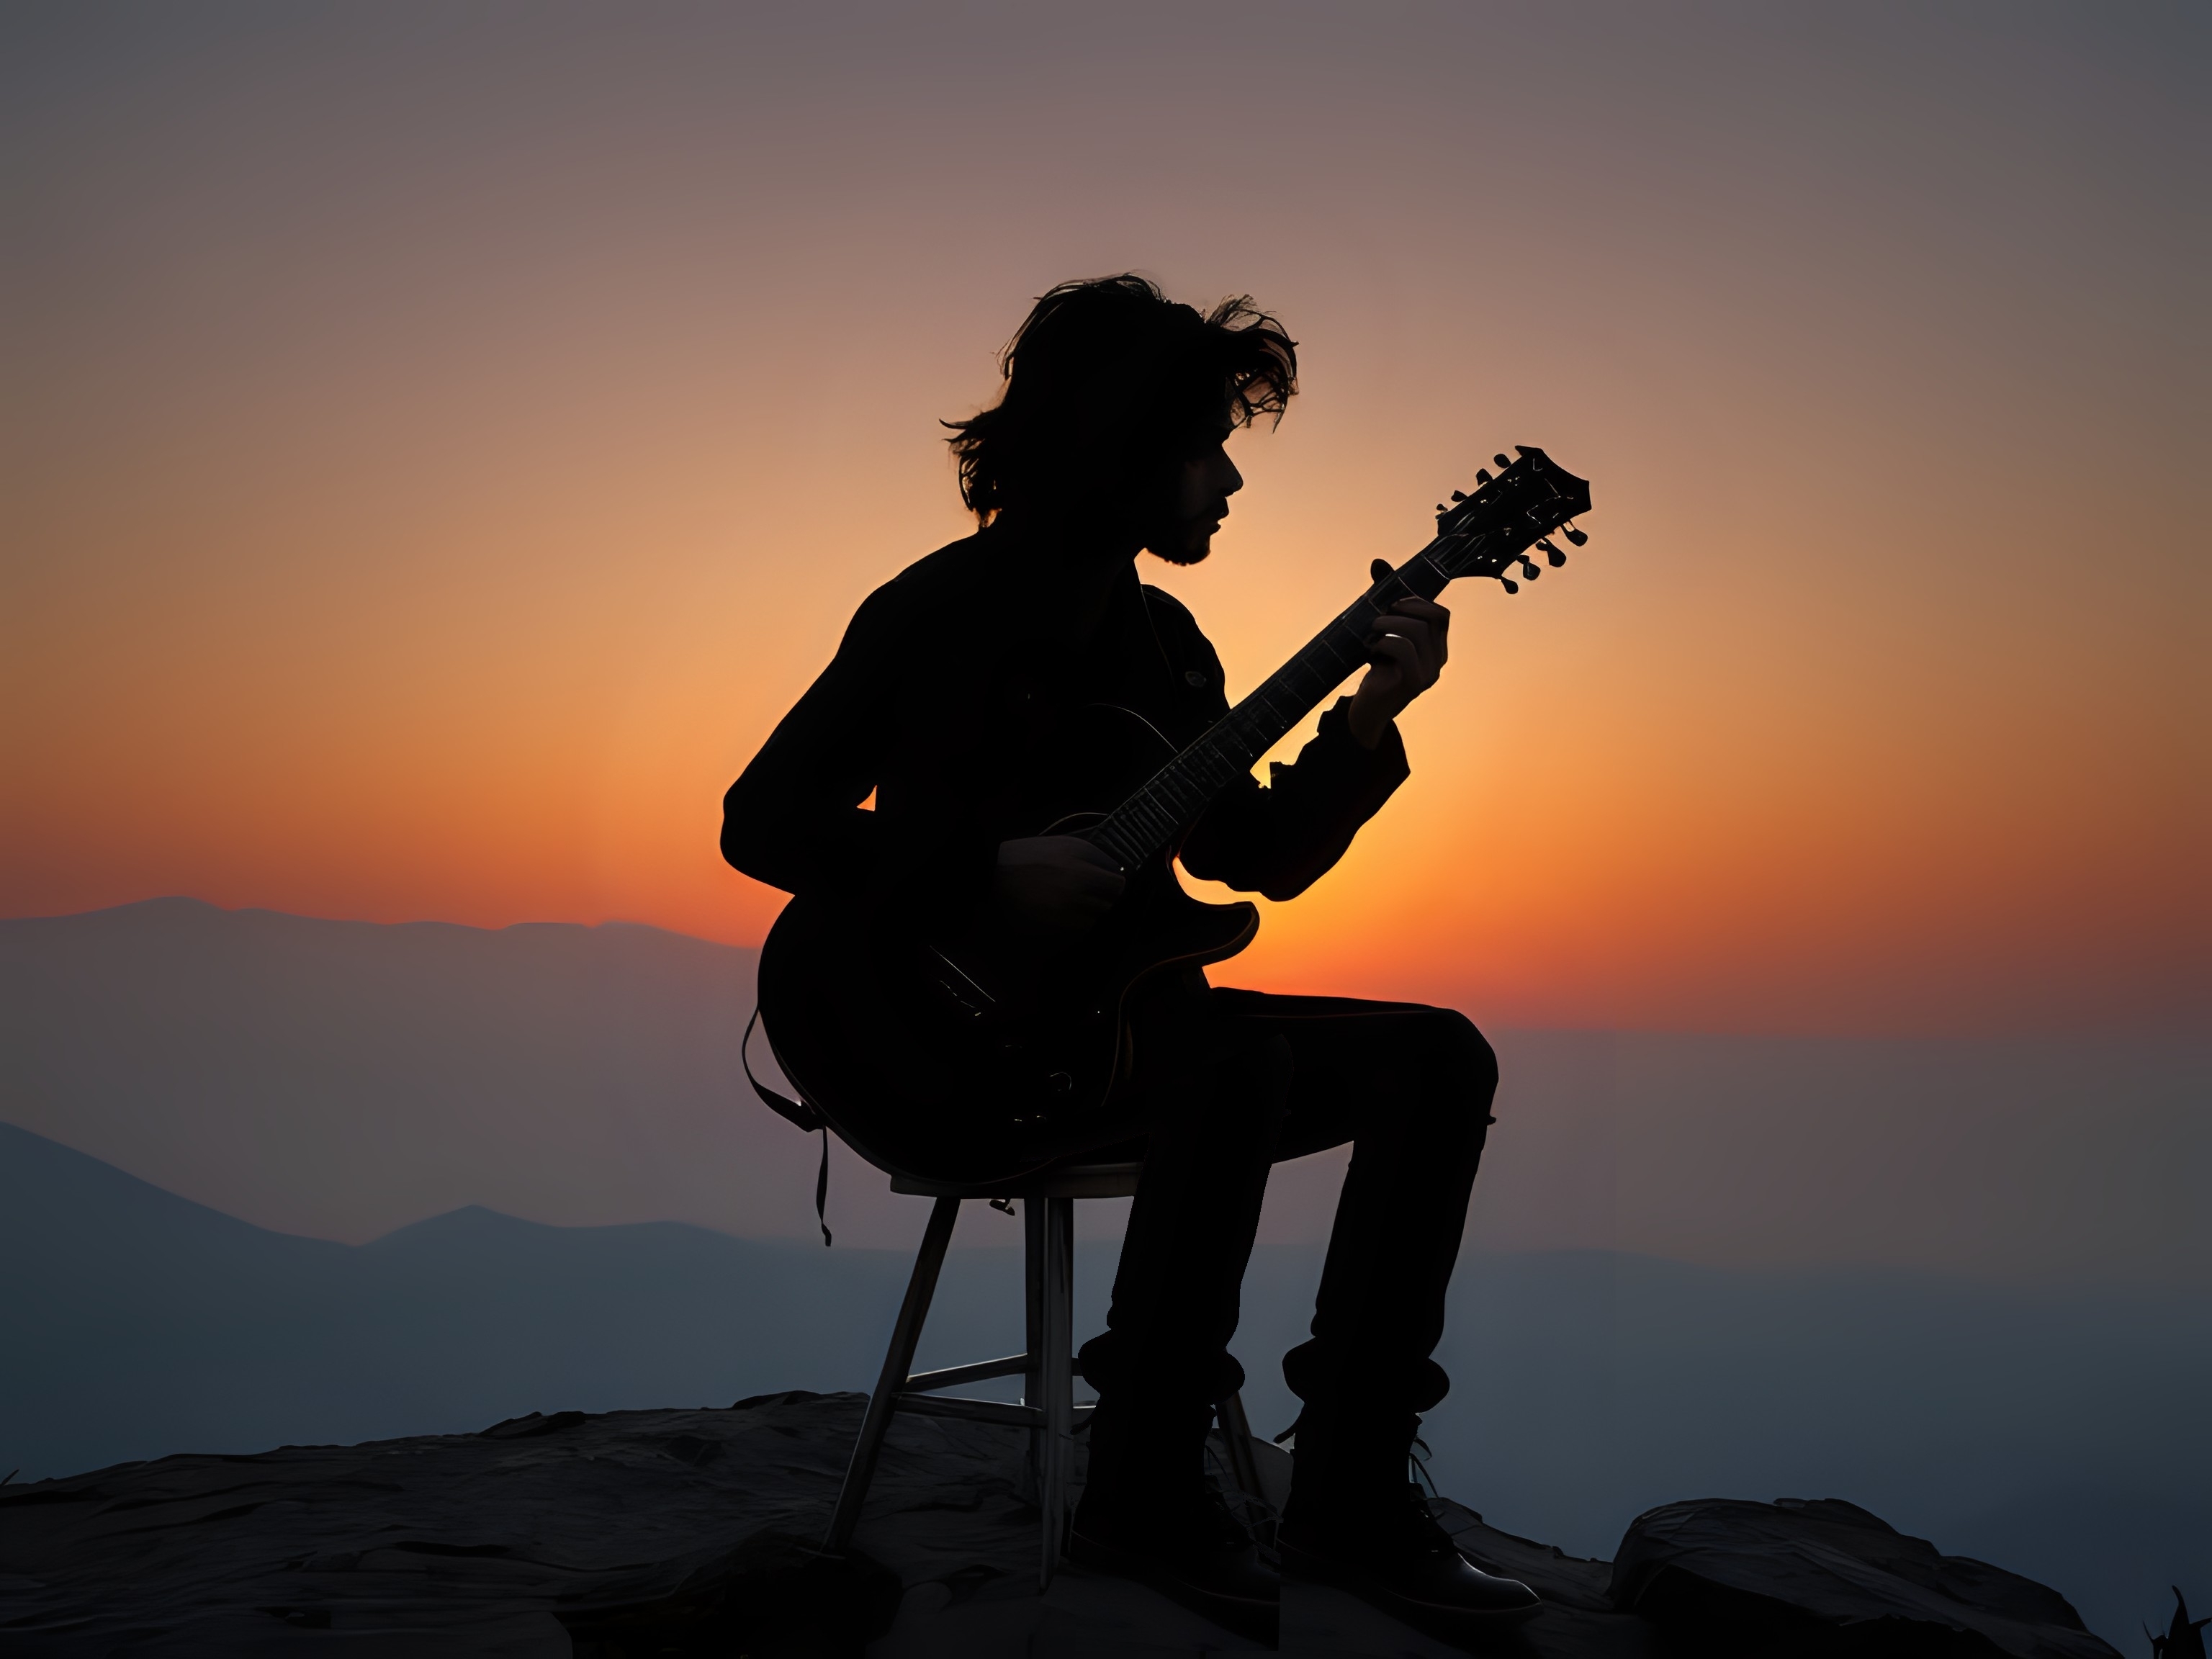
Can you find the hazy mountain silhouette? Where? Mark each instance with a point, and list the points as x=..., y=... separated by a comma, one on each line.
x=344, y=1078
x=2059, y=1435
x=141, y=1323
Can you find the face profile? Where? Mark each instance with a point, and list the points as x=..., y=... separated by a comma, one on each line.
x=1201, y=485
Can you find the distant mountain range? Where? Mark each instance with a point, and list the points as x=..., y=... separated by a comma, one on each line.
x=139, y=1322
x=342, y=1080
x=2060, y=1434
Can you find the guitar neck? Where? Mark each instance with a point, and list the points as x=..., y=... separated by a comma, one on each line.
x=1170, y=801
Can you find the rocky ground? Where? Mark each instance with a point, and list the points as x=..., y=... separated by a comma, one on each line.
x=475, y=1545
x=611, y=1536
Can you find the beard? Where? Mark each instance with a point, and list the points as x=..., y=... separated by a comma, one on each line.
x=1173, y=554
x=1185, y=542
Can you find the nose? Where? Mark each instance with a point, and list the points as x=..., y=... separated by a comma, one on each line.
x=1230, y=479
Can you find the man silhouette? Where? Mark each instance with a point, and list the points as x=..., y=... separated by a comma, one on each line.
x=1108, y=440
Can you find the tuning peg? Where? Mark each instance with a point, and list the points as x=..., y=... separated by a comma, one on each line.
x=1499, y=461
x=1458, y=494
x=1482, y=475
x=1577, y=536
x=1509, y=584
x=1528, y=570
x=1552, y=556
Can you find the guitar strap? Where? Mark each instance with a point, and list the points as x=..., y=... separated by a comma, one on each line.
x=797, y=1112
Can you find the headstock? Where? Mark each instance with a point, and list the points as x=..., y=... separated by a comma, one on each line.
x=1489, y=532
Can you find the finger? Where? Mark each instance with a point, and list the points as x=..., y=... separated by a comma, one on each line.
x=1394, y=650
x=1094, y=856
x=1417, y=668
x=1403, y=627
x=1378, y=570
x=1400, y=622
x=1438, y=622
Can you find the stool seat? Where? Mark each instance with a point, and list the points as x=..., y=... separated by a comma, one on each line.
x=1068, y=1178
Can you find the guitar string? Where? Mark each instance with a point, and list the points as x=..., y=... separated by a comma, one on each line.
x=1157, y=822
x=1174, y=796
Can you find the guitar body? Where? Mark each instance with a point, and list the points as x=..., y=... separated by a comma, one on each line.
x=906, y=1042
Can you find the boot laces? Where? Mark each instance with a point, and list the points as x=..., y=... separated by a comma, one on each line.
x=1406, y=1522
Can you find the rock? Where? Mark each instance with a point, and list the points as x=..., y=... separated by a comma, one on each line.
x=775, y=1596
x=1820, y=1577
x=532, y=1427
x=621, y=1535
x=541, y=1538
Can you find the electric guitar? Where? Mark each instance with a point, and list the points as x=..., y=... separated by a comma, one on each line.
x=877, y=1026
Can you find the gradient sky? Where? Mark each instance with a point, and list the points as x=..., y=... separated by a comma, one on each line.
x=443, y=439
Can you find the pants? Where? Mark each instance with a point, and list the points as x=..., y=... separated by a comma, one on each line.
x=1217, y=1100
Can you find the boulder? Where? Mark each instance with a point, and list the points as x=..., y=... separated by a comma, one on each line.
x=1812, y=1577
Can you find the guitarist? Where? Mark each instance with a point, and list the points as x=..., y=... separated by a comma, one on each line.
x=944, y=701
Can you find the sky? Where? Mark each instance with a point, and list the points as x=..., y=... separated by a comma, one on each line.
x=442, y=439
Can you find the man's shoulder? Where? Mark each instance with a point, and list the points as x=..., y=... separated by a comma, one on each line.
x=956, y=565
x=934, y=583
x=951, y=574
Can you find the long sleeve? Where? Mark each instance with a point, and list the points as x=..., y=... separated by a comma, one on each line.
x=1279, y=839
x=945, y=734
x=793, y=818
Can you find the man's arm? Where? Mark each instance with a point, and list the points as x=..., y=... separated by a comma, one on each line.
x=1279, y=839
x=793, y=818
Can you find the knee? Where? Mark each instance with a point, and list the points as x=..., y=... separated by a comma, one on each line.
x=1461, y=1058
x=1461, y=1075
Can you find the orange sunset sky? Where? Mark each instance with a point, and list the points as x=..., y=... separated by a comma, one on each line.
x=442, y=440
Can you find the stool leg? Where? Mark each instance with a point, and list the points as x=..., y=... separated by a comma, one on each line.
x=898, y=1365
x=1034, y=1282
x=1058, y=1378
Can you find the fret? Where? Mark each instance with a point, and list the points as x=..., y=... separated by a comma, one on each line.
x=1124, y=851
x=1174, y=797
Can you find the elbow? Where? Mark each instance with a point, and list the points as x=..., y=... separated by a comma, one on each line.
x=737, y=852
x=744, y=848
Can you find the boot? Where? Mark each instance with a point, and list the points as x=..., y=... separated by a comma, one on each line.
x=1148, y=1513
x=1355, y=1521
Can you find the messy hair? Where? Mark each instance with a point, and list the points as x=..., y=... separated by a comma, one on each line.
x=1108, y=379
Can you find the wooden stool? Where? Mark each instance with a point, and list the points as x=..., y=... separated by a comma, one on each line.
x=1046, y=1367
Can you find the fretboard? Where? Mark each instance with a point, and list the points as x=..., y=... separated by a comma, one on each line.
x=1171, y=800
